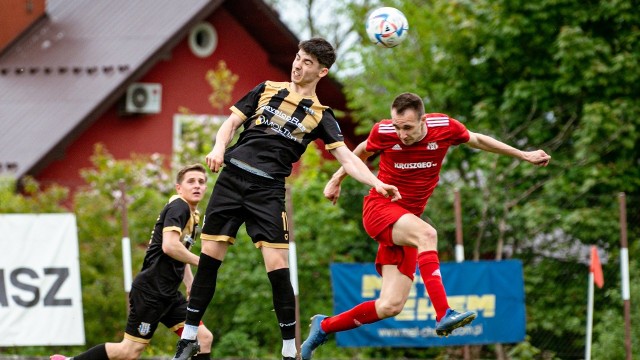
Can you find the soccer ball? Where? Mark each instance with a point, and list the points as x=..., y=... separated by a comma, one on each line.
x=387, y=27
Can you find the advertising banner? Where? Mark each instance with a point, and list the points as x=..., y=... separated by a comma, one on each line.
x=40, y=295
x=494, y=289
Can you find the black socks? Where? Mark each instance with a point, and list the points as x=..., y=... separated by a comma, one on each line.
x=284, y=302
x=98, y=352
x=202, y=289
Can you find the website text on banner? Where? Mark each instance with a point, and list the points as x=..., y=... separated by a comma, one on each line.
x=40, y=295
x=494, y=289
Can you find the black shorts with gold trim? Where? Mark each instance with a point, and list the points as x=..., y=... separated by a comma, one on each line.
x=242, y=197
x=146, y=311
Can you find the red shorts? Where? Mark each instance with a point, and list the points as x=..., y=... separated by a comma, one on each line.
x=378, y=216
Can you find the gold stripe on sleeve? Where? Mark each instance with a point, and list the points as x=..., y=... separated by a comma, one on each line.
x=334, y=145
x=172, y=228
x=237, y=111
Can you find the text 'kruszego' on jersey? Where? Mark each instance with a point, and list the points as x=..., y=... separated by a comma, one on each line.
x=161, y=274
x=415, y=168
x=290, y=122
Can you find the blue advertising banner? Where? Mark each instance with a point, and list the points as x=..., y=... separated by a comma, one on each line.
x=494, y=289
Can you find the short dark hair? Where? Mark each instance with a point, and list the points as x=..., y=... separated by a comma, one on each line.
x=192, y=167
x=406, y=101
x=321, y=49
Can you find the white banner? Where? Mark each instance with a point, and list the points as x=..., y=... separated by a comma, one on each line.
x=40, y=292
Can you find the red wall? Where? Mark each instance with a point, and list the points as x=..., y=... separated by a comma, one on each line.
x=16, y=16
x=183, y=85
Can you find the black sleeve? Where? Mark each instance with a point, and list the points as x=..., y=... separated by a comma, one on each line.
x=330, y=132
x=249, y=103
x=177, y=216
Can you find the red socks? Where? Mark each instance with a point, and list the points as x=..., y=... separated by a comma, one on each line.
x=364, y=313
x=430, y=271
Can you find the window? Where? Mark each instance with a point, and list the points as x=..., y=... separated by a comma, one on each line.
x=203, y=40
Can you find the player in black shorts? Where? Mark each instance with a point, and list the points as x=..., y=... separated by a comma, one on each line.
x=155, y=297
x=279, y=120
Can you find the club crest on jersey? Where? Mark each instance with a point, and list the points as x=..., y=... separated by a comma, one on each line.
x=144, y=328
x=432, y=146
x=396, y=147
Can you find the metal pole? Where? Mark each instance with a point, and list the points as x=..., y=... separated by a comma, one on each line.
x=624, y=270
x=502, y=225
x=457, y=209
x=458, y=214
x=126, y=244
x=587, y=349
x=293, y=261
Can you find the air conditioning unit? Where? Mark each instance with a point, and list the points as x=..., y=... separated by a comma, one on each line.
x=143, y=98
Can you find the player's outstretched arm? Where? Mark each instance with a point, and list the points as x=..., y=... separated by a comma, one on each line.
x=354, y=166
x=215, y=158
x=332, y=189
x=487, y=143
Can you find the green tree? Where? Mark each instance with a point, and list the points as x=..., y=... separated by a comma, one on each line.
x=32, y=198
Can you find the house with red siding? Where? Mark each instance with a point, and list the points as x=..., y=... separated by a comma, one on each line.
x=121, y=73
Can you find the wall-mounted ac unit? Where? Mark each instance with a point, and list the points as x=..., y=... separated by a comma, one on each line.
x=143, y=98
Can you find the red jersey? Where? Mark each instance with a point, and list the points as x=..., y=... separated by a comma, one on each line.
x=415, y=169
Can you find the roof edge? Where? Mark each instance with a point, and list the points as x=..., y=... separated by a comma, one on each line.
x=119, y=91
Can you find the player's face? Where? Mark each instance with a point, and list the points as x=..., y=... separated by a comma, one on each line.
x=409, y=126
x=306, y=69
x=192, y=187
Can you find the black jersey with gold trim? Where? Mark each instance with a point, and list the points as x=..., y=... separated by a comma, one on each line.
x=278, y=125
x=161, y=274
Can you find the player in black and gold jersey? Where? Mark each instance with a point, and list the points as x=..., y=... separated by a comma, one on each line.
x=279, y=120
x=155, y=297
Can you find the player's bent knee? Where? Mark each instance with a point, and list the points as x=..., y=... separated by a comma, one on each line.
x=389, y=309
x=205, y=337
x=428, y=236
x=390, y=312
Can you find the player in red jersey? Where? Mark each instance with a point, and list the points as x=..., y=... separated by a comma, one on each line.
x=412, y=146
